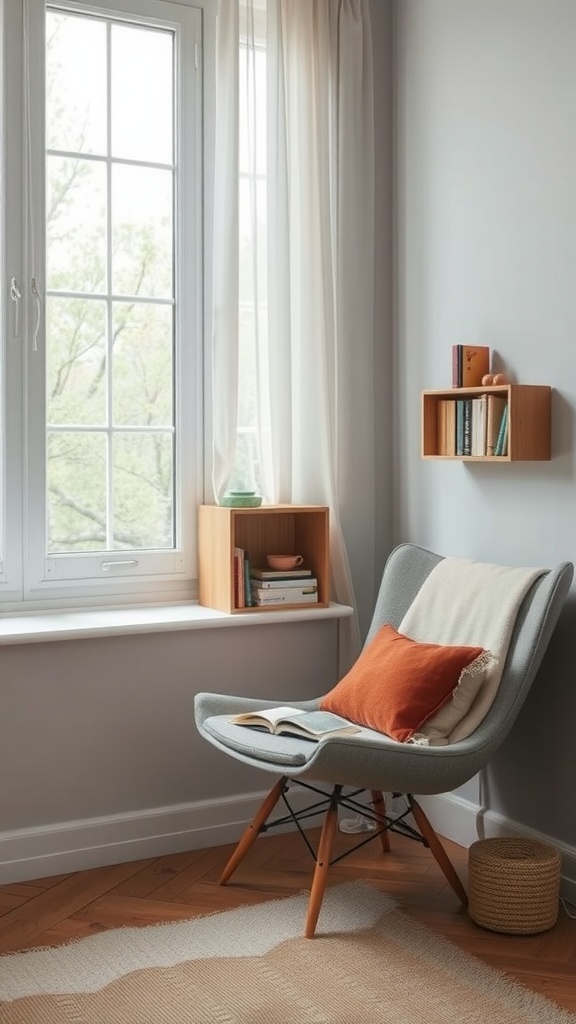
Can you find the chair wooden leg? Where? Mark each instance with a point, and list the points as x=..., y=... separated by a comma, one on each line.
x=438, y=850
x=253, y=830
x=379, y=805
x=322, y=864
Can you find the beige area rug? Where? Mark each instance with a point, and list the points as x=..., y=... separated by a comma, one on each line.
x=369, y=963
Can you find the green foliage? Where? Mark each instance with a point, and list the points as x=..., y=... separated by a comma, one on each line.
x=110, y=344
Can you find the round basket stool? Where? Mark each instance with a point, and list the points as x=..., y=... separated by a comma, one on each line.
x=514, y=885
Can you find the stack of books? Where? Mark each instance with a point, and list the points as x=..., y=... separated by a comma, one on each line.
x=472, y=426
x=292, y=586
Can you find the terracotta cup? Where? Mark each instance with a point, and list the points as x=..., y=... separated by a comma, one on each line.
x=284, y=561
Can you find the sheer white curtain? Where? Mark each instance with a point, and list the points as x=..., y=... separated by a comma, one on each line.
x=293, y=329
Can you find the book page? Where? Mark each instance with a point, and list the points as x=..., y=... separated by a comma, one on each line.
x=271, y=715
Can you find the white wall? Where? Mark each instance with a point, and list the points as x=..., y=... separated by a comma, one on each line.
x=99, y=755
x=486, y=243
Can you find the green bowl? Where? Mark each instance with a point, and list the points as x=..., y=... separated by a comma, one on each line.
x=241, y=499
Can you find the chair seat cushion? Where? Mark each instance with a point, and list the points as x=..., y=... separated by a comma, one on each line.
x=397, y=684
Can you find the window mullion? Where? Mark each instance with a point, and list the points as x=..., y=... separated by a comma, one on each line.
x=109, y=306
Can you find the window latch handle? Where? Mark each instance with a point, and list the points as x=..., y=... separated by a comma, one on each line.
x=106, y=566
x=15, y=295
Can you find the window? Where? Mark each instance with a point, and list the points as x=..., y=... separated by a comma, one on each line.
x=102, y=364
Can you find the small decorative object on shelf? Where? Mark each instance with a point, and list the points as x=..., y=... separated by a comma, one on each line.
x=493, y=423
x=284, y=561
x=495, y=378
x=241, y=499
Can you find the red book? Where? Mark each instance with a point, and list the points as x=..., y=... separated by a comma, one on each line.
x=239, y=592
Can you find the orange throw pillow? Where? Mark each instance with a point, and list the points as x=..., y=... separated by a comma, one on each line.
x=397, y=683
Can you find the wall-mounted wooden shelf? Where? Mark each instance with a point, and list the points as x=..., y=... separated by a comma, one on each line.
x=529, y=416
x=269, y=529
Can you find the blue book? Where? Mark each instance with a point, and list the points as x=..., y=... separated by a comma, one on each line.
x=247, y=586
x=460, y=426
x=501, y=446
x=467, y=447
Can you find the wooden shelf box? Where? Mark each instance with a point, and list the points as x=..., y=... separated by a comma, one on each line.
x=269, y=529
x=529, y=415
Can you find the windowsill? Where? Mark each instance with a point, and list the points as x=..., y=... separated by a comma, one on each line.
x=40, y=627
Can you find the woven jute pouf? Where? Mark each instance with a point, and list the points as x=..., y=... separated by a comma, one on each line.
x=514, y=885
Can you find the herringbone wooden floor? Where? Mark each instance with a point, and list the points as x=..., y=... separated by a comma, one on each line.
x=49, y=911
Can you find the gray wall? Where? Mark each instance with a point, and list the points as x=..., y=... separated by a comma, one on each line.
x=99, y=756
x=486, y=244
x=485, y=250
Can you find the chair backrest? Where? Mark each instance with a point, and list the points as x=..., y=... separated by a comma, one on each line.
x=405, y=571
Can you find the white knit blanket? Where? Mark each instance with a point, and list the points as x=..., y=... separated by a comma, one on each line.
x=473, y=604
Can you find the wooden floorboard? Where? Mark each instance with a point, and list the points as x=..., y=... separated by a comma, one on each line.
x=53, y=910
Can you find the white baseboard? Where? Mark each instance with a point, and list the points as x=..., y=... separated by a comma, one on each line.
x=95, y=842
x=465, y=822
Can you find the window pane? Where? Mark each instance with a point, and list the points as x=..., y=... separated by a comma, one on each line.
x=76, y=361
x=142, y=241
x=142, y=381
x=104, y=393
x=75, y=83
x=141, y=94
x=143, y=491
x=76, y=471
x=76, y=225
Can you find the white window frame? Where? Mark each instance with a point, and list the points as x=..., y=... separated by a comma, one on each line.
x=29, y=577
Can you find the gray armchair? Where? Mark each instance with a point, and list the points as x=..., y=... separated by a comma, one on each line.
x=371, y=761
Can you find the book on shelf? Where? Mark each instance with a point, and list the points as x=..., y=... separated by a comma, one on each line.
x=441, y=425
x=288, y=595
x=312, y=725
x=460, y=427
x=446, y=427
x=456, y=366
x=246, y=579
x=469, y=364
x=283, y=584
x=451, y=427
x=280, y=574
x=501, y=446
x=467, y=427
x=239, y=588
x=479, y=421
x=496, y=405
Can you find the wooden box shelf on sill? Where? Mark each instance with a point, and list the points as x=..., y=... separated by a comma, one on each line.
x=529, y=417
x=269, y=529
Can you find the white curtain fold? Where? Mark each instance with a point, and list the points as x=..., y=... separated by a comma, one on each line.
x=224, y=355
x=310, y=352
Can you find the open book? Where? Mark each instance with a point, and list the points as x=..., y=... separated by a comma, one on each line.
x=311, y=725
